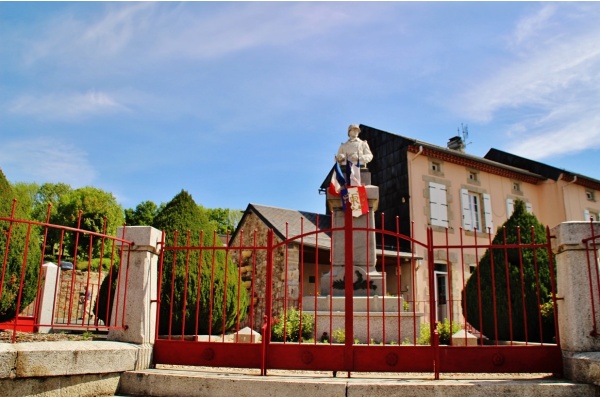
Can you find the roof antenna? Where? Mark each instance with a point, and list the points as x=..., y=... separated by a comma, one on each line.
x=464, y=133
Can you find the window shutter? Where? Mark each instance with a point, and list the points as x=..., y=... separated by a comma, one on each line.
x=529, y=207
x=510, y=207
x=438, y=204
x=586, y=215
x=487, y=212
x=466, y=209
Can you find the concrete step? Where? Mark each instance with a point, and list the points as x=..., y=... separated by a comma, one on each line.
x=200, y=383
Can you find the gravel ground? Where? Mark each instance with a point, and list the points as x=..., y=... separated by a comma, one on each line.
x=216, y=371
x=6, y=337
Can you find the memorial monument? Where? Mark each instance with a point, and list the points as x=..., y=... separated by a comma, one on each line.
x=354, y=200
x=353, y=157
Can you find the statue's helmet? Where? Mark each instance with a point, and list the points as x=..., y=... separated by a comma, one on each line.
x=353, y=127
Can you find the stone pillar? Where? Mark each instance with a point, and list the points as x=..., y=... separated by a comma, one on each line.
x=141, y=263
x=365, y=256
x=574, y=303
x=51, y=273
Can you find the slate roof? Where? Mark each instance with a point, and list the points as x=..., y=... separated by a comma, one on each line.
x=456, y=153
x=490, y=160
x=545, y=170
x=277, y=218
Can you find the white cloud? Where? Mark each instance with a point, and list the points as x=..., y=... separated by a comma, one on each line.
x=188, y=30
x=581, y=132
x=46, y=159
x=549, y=90
x=244, y=26
x=530, y=26
x=76, y=39
x=66, y=106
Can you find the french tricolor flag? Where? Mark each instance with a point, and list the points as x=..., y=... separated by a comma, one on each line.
x=338, y=181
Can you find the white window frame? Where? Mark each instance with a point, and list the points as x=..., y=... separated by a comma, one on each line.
x=438, y=204
x=587, y=214
x=510, y=207
x=476, y=211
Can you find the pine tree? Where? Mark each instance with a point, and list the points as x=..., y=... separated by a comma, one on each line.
x=229, y=298
x=14, y=253
x=535, y=271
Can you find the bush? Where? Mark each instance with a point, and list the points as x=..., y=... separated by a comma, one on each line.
x=291, y=325
x=214, y=299
x=444, y=332
x=480, y=284
x=339, y=335
x=17, y=250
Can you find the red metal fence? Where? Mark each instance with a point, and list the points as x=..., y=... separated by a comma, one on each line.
x=278, y=303
x=51, y=276
x=427, y=316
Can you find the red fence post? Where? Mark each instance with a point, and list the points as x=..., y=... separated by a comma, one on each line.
x=349, y=288
x=268, y=303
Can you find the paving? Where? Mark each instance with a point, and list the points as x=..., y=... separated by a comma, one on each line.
x=202, y=381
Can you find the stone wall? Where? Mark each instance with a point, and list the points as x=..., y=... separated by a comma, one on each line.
x=285, y=284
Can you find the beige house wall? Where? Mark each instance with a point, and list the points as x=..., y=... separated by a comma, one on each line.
x=576, y=201
x=456, y=177
x=551, y=201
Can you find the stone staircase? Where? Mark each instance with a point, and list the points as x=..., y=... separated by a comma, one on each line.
x=182, y=382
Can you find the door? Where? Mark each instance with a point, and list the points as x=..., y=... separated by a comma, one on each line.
x=441, y=295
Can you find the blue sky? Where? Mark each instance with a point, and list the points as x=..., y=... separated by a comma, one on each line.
x=243, y=103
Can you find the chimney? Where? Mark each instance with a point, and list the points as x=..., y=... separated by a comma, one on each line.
x=456, y=143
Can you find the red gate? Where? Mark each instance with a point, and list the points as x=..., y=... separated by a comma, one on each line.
x=422, y=318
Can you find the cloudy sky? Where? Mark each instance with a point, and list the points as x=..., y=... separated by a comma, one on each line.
x=243, y=103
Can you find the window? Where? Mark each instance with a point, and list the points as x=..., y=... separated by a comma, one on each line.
x=589, y=194
x=510, y=207
x=438, y=204
x=436, y=167
x=476, y=211
x=473, y=177
x=516, y=186
x=590, y=215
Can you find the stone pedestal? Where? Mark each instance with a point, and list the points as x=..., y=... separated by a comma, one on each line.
x=577, y=311
x=51, y=276
x=367, y=281
x=140, y=268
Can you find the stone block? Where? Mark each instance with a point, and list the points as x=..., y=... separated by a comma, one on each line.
x=8, y=360
x=464, y=338
x=143, y=237
x=74, y=357
x=247, y=335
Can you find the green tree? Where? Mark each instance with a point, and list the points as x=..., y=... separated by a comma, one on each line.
x=221, y=282
x=142, y=215
x=34, y=198
x=534, y=269
x=95, y=205
x=25, y=193
x=48, y=193
x=224, y=220
x=17, y=257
